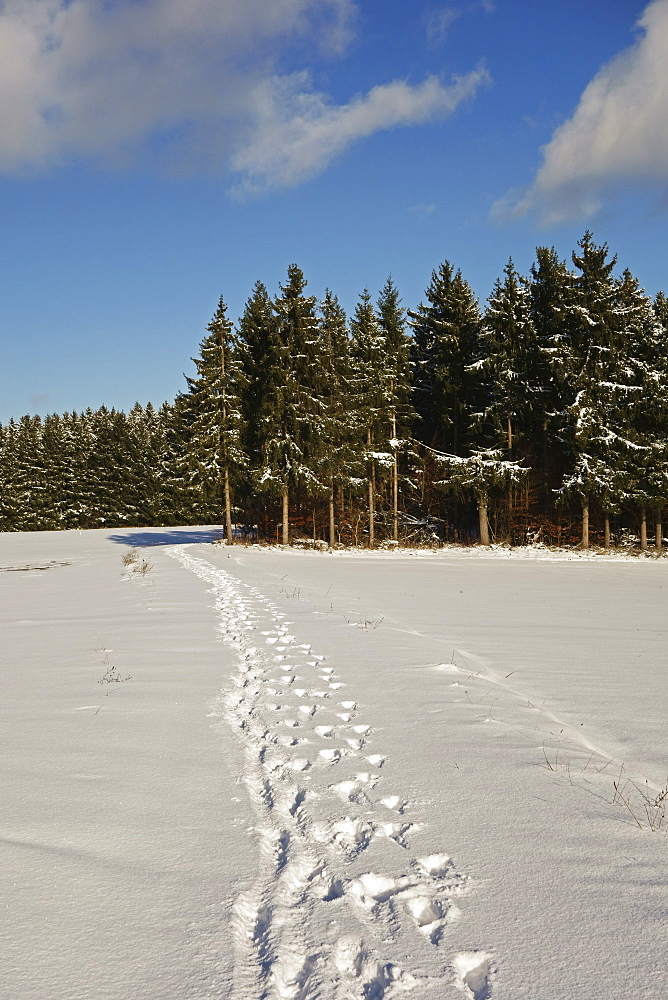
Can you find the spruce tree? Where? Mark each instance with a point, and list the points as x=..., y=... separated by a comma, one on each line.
x=392, y=323
x=215, y=449
x=445, y=346
x=341, y=457
x=290, y=410
x=600, y=387
x=645, y=405
x=550, y=295
x=375, y=397
x=508, y=363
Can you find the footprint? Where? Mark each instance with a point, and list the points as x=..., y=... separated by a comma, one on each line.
x=368, y=779
x=355, y=744
x=386, y=980
x=353, y=835
x=348, y=704
x=344, y=716
x=398, y=831
x=435, y=864
x=472, y=970
x=376, y=759
x=324, y=731
x=394, y=802
x=307, y=709
x=369, y=890
x=349, y=791
x=362, y=730
x=298, y=764
x=349, y=955
x=429, y=916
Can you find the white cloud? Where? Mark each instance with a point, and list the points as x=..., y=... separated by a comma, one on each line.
x=191, y=83
x=617, y=135
x=297, y=132
x=439, y=20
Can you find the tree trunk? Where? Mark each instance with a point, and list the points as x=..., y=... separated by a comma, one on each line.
x=372, y=495
x=286, y=535
x=395, y=485
x=332, y=521
x=658, y=530
x=606, y=533
x=643, y=528
x=372, y=507
x=546, y=478
x=585, y=524
x=484, y=525
x=228, y=507
x=226, y=473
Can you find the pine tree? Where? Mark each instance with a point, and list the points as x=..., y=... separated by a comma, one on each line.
x=375, y=397
x=595, y=424
x=341, y=457
x=479, y=474
x=550, y=295
x=259, y=354
x=392, y=323
x=445, y=346
x=661, y=310
x=508, y=363
x=78, y=487
x=645, y=405
x=215, y=446
x=10, y=506
x=290, y=411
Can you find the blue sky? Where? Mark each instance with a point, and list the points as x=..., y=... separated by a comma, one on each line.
x=155, y=154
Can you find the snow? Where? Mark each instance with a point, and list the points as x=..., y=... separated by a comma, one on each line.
x=436, y=790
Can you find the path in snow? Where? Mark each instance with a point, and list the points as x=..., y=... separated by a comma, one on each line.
x=321, y=920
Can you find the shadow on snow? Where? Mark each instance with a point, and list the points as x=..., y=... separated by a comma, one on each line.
x=176, y=536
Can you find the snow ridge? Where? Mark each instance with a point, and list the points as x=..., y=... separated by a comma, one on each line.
x=317, y=922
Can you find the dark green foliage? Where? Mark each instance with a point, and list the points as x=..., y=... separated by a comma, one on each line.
x=552, y=404
x=447, y=390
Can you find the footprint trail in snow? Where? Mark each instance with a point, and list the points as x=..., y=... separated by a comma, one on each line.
x=340, y=909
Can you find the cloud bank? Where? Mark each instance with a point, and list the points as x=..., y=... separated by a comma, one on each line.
x=617, y=135
x=190, y=83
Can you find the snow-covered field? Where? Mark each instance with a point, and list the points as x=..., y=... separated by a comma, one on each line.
x=253, y=773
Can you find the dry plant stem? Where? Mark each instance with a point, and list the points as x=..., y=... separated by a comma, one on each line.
x=619, y=794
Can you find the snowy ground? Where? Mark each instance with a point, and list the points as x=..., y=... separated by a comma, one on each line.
x=263, y=774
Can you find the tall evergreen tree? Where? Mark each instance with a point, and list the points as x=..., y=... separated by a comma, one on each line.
x=550, y=294
x=509, y=360
x=445, y=346
x=215, y=445
x=290, y=412
x=392, y=323
x=340, y=459
x=375, y=397
x=600, y=386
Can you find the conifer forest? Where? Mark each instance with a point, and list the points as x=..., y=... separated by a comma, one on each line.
x=541, y=418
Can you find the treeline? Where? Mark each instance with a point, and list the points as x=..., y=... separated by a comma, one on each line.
x=543, y=417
